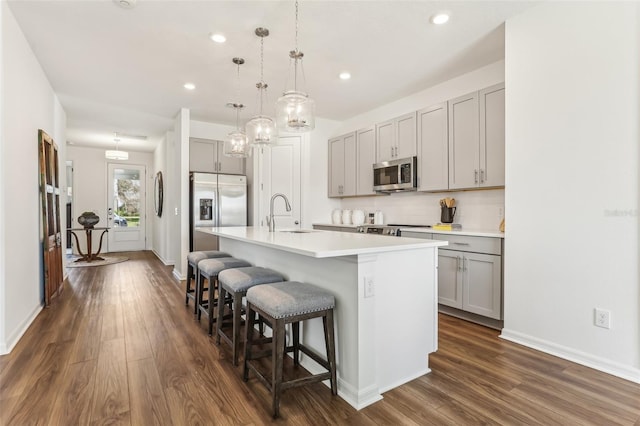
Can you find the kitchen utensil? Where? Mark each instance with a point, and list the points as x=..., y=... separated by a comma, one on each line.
x=346, y=217
x=378, y=218
x=336, y=217
x=357, y=217
x=447, y=214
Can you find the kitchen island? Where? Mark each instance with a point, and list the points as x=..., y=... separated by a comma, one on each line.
x=386, y=299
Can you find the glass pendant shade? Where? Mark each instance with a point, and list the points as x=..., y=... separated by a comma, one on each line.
x=261, y=131
x=116, y=155
x=236, y=145
x=296, y=112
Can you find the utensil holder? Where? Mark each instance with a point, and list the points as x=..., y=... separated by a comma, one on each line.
x=447, y=214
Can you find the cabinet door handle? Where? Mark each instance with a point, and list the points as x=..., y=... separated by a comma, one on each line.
x=396, y=148
x=392, y=152
x=460, y=244
x=458, y=266
x=465, y=263
x=481, y=175
x=476, y=175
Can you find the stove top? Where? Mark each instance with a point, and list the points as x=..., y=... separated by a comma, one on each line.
x=390, y=229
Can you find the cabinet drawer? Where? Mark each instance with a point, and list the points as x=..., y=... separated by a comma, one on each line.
x=487, y=245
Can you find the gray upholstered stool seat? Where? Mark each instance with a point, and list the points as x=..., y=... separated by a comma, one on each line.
x=192, y=273
x=209, y=269
x=235, y=283
x=289, y=303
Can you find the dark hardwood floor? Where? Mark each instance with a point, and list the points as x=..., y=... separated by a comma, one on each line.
x=120, y=347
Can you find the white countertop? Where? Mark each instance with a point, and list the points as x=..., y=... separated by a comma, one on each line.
x=317, y=243
x=463, y=231
x=469, y=232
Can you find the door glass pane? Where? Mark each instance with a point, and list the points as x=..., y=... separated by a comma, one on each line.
x=126, y=203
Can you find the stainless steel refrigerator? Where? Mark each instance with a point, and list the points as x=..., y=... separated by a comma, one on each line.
x=215, y=200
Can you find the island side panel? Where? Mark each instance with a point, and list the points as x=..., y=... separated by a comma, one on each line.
x=406, y=319
x=355, y=346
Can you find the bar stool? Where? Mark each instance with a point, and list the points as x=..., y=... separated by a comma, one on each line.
x=192, y=272
x=235, y=283
x=209, y=269
x=289, y=303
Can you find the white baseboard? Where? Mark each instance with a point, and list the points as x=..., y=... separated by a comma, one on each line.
x=8, y=345
x=177, y=274
x=164, y=261
x=570, y=354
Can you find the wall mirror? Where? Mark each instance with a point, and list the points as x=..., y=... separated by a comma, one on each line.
x=158, y=194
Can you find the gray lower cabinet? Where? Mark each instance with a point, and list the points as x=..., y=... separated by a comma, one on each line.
x=469, y=273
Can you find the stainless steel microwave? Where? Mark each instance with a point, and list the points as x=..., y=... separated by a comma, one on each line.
x=396, y=175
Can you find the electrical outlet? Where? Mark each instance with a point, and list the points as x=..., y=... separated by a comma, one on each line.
x=369, y=288
x=602, y=318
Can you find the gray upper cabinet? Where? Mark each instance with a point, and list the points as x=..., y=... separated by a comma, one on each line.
x=342, y=165
x=396, y=138
x=433, y=154
x=464, y=142
x=365, y=157
x=492, y=136
x=207, y=156
x=476, y=139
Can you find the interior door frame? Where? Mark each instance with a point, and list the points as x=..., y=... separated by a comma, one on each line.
x=262, y=191
x=143, y=204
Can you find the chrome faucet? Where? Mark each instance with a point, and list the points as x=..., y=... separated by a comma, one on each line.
x=270, y=220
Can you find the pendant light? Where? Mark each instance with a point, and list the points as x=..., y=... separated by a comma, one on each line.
x=261, y=129
x=295, y=109
x=236, y=144
x=116, y=154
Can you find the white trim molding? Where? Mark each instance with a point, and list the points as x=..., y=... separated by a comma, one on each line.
x=570, y=354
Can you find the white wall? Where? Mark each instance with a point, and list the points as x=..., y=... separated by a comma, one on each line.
x=475, y=209
x=178, y=165
x=28, y=103
x=160, y=245
x=90, y=188
x=572, y=102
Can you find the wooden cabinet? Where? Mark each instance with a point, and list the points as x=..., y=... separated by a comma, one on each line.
x=476, y=139
x=365, y=158
x=342, y=165
x=470, y=274
x=207, y=156
x=492, y=136
x=396, y=138
x=51, y=229
x=433, y=154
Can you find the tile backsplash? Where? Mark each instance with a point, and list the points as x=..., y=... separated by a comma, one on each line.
x=482, y=209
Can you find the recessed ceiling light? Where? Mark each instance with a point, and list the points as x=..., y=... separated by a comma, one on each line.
x=440, y=18
x=345, y=75
x=218, y=38
x=189, y=86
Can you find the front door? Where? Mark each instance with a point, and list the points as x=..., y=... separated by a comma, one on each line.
x=281, y=164
x=126, y=213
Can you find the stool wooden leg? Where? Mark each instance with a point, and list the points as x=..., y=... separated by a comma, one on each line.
x=188, y=286
x=200, y=284
x=296, y=342
x=213, y=299
x=248, y=340
x=222, y=293
x=277, y=361
x=237, y=313
x=329, y=338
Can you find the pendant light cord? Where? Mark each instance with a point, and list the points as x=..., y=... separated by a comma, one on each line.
x=295, y=66
x=262, y=85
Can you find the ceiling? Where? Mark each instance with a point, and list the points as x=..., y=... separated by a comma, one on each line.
x=123, y=70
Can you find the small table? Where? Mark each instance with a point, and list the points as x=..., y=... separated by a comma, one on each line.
x=89, y=256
